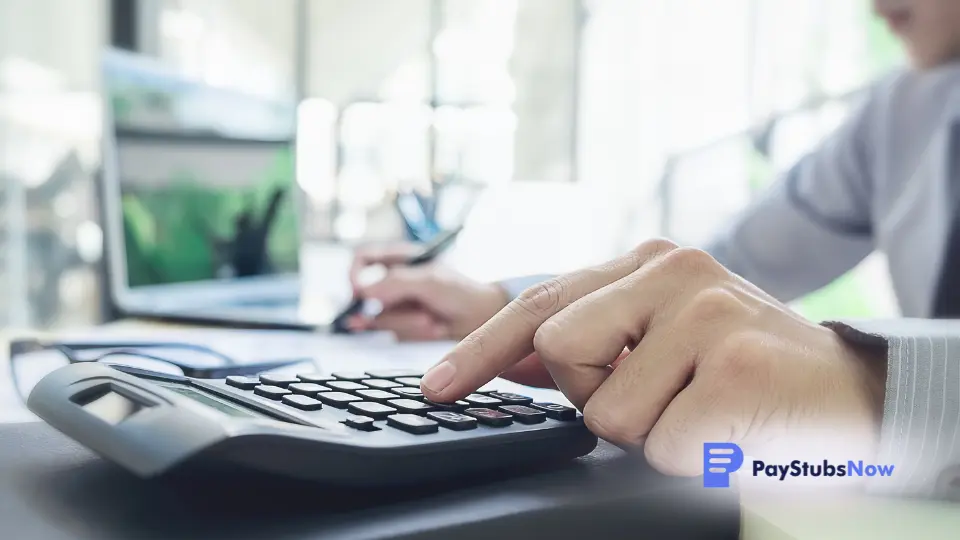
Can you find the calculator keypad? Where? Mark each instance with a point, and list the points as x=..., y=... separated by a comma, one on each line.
x=556, y=411
x=318, y=378
x=524, y=415
x=271, y=392
x=382, y=384
x=243, y=383
x=303, y=403
x=452, y=420
x=490, y=417
x=391, y=399
x=457, y=406
x=346, y=385
x=412, y=423
x=480, y=400
x=338, y=400
x=408, y=392
x=377, y=411
x=282, y=381
x=511, y=399
x=363, y=423
x=307, y=389
x=376, y=395
x=351, y=376
x=410, y=405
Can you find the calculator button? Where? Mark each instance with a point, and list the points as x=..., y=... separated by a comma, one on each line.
x=481, y=400
x=452, y=420
x=556, y=411
x=408, y=392
x=412, y=423
x=351, y=375
x=382, y=384
x=303, y=403
x=243, y=383
x=376, y=395
x=511, y=399
x=346, y=385
x=274, y=379
x=410, y=405
x=392, y=373
x=457, y=406
x=377, y=411
x=524, y=415
x=337, y=400
x=490, y=417
x=314, y=377
x=307, y=389
x=271, y=392
x=363, y=423
x=409, y=381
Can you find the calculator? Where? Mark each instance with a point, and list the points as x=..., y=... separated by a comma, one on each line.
x=363, y=428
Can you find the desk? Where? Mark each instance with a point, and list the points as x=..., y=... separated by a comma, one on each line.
x=52, y=488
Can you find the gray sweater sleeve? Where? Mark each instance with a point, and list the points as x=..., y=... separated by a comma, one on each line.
x=921, y=412
x=815, y=223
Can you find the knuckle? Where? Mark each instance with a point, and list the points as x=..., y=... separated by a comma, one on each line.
x=550, y=342
x=688, y=260
x=612, y=425
x=544, y=299
x=711, y=305
x=739, y=353
x=651, y=248
x=656, y=245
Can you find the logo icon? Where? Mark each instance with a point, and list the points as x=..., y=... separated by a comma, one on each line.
x=720, y=460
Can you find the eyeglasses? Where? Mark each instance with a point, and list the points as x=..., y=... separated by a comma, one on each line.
x=32, y=360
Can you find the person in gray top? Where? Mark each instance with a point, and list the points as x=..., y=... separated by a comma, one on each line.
x=670, y=348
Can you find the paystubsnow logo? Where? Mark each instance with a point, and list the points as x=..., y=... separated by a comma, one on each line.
x=720, y=460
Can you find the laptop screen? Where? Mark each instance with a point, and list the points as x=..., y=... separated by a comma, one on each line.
x=199, y=208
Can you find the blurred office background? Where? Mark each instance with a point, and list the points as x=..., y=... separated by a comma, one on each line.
x=586, y=125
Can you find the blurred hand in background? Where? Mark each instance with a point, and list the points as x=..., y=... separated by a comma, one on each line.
x=430, y=302
x=420, y=303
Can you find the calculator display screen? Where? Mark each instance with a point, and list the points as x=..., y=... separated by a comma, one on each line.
x=209, y=400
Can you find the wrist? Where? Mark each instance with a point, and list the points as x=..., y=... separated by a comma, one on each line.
x=870, y=362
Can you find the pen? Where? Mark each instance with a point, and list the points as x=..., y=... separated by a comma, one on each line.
x=431, y=251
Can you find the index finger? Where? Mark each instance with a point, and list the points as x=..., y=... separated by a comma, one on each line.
x=507, y=338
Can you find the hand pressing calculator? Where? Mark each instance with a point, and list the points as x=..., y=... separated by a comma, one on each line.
x=366, y=428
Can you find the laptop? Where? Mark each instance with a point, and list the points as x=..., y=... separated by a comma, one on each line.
x=200, y=227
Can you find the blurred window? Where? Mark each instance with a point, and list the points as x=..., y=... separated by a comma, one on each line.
x=729, y=98
x=433, y=93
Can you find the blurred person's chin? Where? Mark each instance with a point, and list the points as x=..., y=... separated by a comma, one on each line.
x=927, y=56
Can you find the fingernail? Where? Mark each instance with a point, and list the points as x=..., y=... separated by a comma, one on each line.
x=371, y=308
x=439, y=377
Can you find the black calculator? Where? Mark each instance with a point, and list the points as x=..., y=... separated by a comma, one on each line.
x=362, y=428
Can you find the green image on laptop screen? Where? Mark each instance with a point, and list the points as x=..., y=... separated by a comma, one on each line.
x=197, y=210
